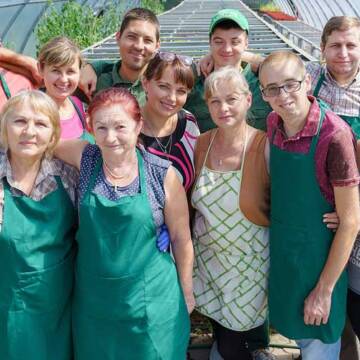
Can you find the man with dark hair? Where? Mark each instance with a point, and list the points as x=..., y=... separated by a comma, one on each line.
x=228, y=36
x=137, y=39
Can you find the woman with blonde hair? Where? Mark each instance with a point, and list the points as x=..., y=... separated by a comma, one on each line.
x=37, y=235
x=231, y=202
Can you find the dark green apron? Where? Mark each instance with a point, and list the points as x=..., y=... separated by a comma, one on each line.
x=36, y=266
x=5, y=87
x=128, y=301
x=353, y=121
x=299, y=245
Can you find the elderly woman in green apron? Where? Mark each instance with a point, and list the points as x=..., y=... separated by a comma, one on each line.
x=131, y=301
x=231, y=202
x=37, y=235
x=313, y=170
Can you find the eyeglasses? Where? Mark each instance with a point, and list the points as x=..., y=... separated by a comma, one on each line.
x=170, y=57
x=289, y=87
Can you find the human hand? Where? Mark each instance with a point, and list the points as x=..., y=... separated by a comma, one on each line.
x=317, y=306
x=190, y=302
x=163, y=240
x=205, y=65
x=34, y=71
x=331, y=220
x=88, y=80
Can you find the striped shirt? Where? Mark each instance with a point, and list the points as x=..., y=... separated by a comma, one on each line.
x=180, y=147
x=343, y=100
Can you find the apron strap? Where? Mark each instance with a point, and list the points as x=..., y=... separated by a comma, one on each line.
x=98, y=165
x=5, y=86
x=315, y=138
x=79, y=113
x=319, y=83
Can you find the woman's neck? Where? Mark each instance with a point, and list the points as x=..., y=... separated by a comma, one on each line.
x=155, y=125
x=232, y=135
x=24, y=172
x=65, y=106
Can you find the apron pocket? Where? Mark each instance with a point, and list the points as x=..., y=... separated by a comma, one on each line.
x=112, y=298
x=46, y=290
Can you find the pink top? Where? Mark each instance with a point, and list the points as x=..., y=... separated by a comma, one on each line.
x=335, y=155
x=15, y=82
x=72, y=128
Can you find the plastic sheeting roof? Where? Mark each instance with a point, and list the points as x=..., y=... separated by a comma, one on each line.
x=18, y=20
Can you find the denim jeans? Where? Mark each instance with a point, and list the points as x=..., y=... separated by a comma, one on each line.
x=313, y=349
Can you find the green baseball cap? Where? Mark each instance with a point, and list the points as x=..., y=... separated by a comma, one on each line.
x=229, y=14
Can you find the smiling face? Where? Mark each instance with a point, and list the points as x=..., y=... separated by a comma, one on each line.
x=165, y=96
x=29, y=133
x=228, y=105
x=290, y=106
x=227, y=46
x=137, y=44
x=60, y=81
x=342, y=53
x=115, y=130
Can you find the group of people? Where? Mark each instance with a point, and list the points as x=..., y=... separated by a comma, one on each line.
x=156, y=200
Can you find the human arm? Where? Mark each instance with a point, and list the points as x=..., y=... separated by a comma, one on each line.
x=317, y=305
x=21, y=64
x=177, y=221
x=253, y=59
x=88, y=80
x=70, y=151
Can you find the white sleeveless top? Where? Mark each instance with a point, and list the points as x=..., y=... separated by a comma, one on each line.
x=231, y=253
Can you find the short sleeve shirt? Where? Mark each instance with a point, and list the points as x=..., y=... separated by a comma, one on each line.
x=155, y=172
x=335, y=155
x=109, y=76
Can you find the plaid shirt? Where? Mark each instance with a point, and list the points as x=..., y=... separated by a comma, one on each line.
x=343, y=100
x=45, y=182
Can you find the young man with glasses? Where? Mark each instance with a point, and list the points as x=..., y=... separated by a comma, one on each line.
x=313, y=171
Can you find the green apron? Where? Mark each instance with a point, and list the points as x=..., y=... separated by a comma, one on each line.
x=5, y=87
x=36, y=266
x=353, y=121
x=299, y=245
x=128, y=301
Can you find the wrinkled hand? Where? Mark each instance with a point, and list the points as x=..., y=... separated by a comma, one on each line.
x=190, y=302
x=88, y=80
x=317, y=307
x=331, y=220
x=205, y=65
x=163, y=240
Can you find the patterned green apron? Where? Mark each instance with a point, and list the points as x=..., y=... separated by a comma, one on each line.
x=299, y=245
x=353, y=121
x=128, y=300
x=231, y=253
x=36, y=266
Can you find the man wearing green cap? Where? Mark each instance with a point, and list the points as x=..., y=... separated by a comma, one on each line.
x=228, y=33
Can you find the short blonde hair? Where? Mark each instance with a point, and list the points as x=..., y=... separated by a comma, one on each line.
x=338, y=23
x=283, y=56
x=59, y=51
x=228, y=74
x=40, y=103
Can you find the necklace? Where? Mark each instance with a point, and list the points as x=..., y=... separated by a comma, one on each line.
x=113, y=175
x=165, y=148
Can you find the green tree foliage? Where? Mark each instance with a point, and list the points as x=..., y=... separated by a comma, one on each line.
x=79, y=23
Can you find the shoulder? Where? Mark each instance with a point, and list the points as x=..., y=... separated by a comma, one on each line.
x=191, y=123
x=314, y=69
x=67, y=173
x=77, y=101
x=152, y=160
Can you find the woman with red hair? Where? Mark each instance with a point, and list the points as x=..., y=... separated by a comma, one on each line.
x=128, y=301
